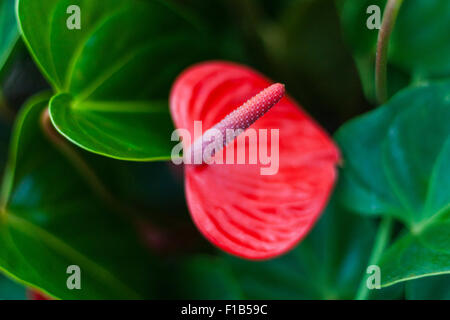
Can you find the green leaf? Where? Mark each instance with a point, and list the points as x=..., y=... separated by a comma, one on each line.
x=396, y=164
x=419, y=45
x=432, y=288
x=10, y=290
x=8, y=30
x=111, y=75
x=329, y=264
x=51, y=218
x=418, y=254
x=306, y=50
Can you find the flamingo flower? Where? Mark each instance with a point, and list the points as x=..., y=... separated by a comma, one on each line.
x=36, y=295
x=236, y=207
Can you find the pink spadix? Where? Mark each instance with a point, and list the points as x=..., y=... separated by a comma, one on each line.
x=236, y=122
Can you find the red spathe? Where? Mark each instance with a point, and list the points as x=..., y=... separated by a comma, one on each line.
x=239, y=210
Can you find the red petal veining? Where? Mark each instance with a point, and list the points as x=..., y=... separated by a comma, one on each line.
x=234, y=206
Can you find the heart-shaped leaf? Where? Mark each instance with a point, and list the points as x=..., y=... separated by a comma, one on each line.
x=51, y=218
x=431, y=288
x=8, y=30
x=329, y=264
x=4, y=139
x=396, y=164
x=419, y=45
x=111, y=74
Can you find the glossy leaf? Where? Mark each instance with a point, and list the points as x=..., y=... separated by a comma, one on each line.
x=51, y=219
x=329, y=264
x=419, y=45
x=141, y=129
x=237, y=208
x=8, y=30
x=396, y=164
x=111, y=75
x=311, y=57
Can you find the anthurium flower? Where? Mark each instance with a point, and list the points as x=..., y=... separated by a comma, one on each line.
x=237, y=208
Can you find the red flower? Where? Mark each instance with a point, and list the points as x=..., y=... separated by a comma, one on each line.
x=239, y=210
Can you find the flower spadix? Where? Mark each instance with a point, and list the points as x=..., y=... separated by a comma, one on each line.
x=235, y=123
x=235, y=207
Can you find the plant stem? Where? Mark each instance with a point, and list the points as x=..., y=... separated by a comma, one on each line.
x=389, y=17
x=384, y=230
x=381, y=241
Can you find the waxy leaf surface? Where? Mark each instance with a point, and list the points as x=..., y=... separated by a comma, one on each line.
x=430, y=288
x=396, y=163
